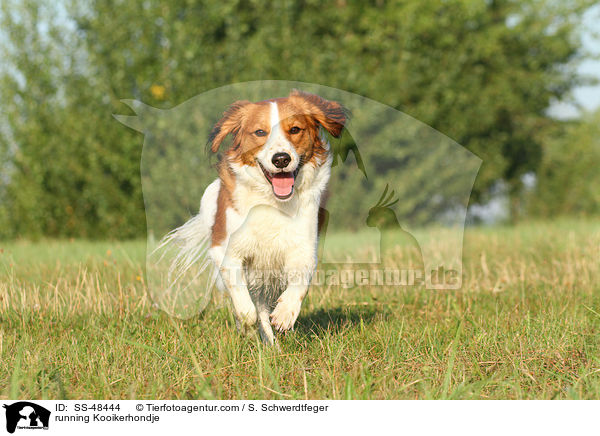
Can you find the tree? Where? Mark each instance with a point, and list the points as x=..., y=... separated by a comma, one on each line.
x=568, y=178
x=482, y=73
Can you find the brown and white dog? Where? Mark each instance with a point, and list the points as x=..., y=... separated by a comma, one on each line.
x=261, y=215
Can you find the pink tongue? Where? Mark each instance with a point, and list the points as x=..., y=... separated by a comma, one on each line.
x=283, y=183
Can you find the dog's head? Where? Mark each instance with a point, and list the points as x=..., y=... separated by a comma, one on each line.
x=276, y=138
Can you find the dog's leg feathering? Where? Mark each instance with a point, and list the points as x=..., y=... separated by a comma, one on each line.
x=299, y=274
x=232, y=274
x=264, y=327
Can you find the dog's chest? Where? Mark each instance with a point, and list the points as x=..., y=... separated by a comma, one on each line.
x=268, y=234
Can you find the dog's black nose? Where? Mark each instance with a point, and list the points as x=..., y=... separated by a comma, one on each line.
x=281, y=160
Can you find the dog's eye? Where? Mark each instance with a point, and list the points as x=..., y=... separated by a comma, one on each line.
x=260, y=132
x=294, y=130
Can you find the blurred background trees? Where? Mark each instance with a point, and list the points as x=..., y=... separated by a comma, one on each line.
x=568, y=177
x=482, y=72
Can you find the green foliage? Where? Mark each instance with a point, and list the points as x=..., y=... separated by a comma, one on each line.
x=568, y=180
x=482, y=73
x=71, y=171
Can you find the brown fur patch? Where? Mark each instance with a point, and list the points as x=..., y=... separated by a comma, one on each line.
x=309, y=111
x=242, y=119
x=331, y=115
x=224, y=201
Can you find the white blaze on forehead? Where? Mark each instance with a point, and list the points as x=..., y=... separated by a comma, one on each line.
x=276, y=132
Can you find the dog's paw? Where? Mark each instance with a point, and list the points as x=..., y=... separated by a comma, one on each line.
x=285, y=313
x=246, y=330
x=246, y=317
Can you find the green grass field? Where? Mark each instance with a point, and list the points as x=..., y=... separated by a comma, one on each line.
x=76, y=322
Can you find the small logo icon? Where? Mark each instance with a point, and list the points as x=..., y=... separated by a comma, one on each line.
x=26, y=415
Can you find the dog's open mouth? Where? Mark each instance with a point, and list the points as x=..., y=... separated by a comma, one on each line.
x=282, y=183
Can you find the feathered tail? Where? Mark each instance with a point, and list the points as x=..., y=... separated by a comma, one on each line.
x=180, y=273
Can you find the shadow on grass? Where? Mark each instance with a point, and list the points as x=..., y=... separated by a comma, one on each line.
x=334, y=320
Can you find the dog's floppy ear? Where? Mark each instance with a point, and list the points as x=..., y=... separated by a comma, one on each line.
x=331, y=115
x=229, y=123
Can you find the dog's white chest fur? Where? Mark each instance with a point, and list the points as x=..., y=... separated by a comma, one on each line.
x=270, y=235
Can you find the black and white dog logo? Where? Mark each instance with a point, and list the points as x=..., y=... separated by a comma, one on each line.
x=26, y=415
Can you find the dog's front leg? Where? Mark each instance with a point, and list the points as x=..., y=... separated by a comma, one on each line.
x=299, y=273
x=232, y=274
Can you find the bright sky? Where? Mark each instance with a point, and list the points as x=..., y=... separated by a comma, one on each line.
x=587, y=96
